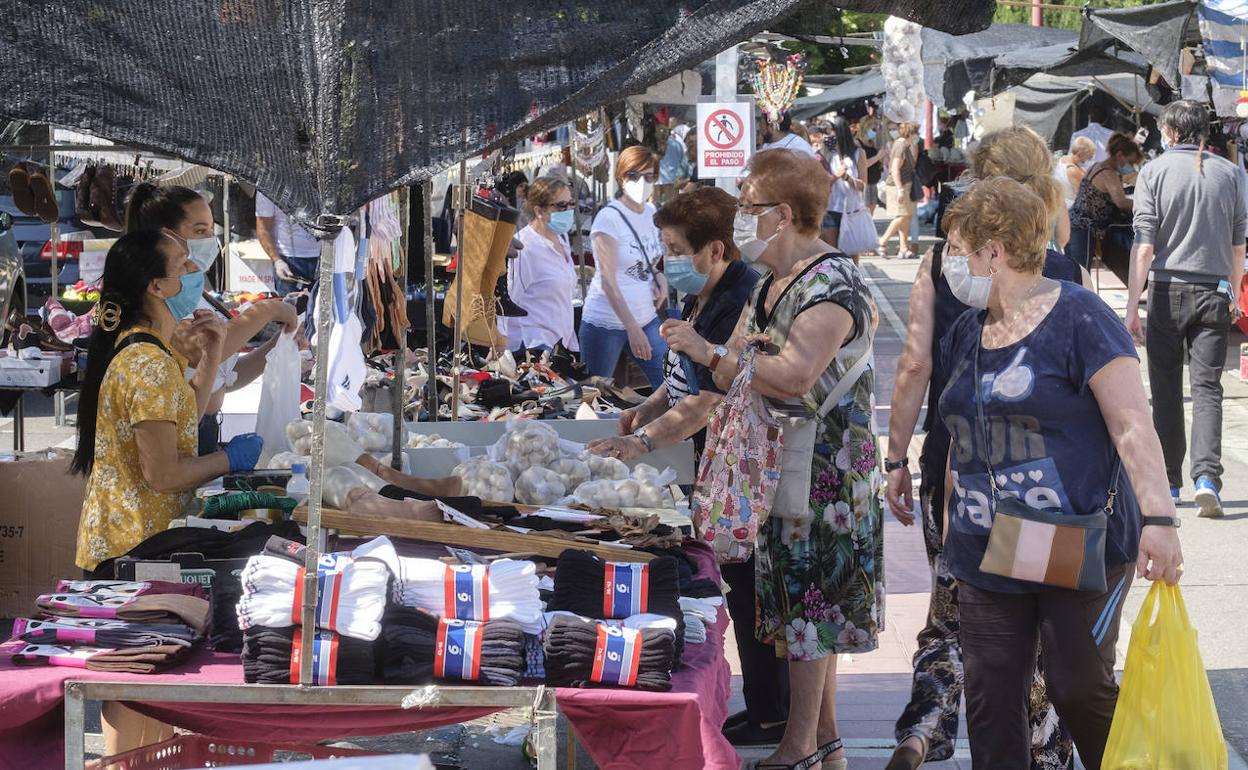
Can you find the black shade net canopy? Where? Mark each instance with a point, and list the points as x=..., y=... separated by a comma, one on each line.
x=326, y=104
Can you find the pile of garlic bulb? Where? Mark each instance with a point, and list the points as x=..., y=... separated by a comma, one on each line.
x=486, y=479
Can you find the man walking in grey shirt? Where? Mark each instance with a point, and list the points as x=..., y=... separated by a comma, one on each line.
x=1190, y=223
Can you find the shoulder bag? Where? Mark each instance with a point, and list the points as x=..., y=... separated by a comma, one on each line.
x=1051, y=548
x=642, y=248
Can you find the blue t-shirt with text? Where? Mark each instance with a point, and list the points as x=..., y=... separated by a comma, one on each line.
x=1049, y=443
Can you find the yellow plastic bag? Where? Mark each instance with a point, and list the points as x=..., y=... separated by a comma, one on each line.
x=1165, y=718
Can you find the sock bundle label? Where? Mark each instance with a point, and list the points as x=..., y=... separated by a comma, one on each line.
x=324, y=657
x=467, y=589
x=458, y=651
x=617, y=656
x=328, y=594
x=625, y=589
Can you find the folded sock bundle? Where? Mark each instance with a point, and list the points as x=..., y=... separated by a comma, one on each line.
x=144, y=608
x=589, y=586
x=224, y=634
x=351, y=592
x=272, y=656
x=695, y=629
x=418, y=647
x=130, y=587
x=144, y=660
x=707, y=609
x=505, y=589
x=102, y=633
x=584, y=653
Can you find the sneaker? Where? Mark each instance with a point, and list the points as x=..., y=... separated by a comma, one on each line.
x=1207, y=498
x=1176, y=494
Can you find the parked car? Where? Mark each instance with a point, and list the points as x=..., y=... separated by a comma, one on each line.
x=12, y=280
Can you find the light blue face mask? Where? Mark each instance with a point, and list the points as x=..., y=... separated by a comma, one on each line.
x=185, y=301
x=203, y=251
x=561, y=221
x=683, y=276
x=1126, y=170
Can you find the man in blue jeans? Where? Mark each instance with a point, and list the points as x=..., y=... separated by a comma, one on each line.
x=294, y=250
x=1190, y=222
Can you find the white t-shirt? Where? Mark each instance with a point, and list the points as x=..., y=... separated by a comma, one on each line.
x=293, y=240
x=843, y=197
x=634, y=265
x=792, y=142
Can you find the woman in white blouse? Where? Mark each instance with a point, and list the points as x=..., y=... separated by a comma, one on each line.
x=542, y=279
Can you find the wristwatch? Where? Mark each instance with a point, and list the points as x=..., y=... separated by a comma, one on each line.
x=644, y=437
x=719, y=353
x=1161, y=521
x=893, y=465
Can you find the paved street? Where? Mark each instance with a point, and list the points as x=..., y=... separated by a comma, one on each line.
x=875, y=687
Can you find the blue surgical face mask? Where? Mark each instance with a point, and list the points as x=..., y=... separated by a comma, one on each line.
x=870, y=133
x=683, y=276
x=185, y=301
x=561, y=221
x=1126, y=169
x=203, y=251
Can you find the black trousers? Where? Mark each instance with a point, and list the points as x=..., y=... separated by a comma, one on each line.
x=765, y=678
x=1191, y=319
x=1076, y=632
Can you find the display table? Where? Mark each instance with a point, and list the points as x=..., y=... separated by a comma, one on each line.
x=618, y=728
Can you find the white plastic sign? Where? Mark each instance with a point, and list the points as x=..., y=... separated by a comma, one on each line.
x=725, y=138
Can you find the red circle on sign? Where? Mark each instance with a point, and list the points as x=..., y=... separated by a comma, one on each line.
x=725, y=124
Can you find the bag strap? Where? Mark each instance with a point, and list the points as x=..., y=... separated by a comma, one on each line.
x=640, y=246
x=1111, y=494
x=851, y=376
x=138, y=337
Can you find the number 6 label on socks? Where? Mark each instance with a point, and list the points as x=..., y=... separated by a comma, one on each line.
x=467, y=591
x=457, y=654
x=625, y=589
x=617, y=656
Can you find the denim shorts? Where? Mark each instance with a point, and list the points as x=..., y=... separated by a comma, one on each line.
x=832, y=220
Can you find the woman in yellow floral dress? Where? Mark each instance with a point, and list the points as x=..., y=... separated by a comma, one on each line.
x=137, y=416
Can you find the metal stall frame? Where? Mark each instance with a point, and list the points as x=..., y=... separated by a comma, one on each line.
x=541, y=699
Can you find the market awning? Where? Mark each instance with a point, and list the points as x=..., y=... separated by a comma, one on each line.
x=326, y=104
x=1015, y=68
x=863, y=86
x=955, y=64
x=1157, y=32
x=1044, y=102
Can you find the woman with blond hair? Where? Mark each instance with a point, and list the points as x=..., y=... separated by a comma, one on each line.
x=900, y=177
x=621, y=304
x=1020, y=153
x=542, y=280
x=1071, y=168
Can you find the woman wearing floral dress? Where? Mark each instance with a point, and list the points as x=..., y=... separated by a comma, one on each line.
x=820, y=566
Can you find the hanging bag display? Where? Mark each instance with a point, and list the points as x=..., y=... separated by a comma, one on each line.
x=1165, y=718
x=739, y=469
x=1065, y=550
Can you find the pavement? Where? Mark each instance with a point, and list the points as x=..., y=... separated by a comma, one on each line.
x=875, y=687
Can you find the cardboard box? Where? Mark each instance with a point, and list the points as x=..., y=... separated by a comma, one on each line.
x=39, y=512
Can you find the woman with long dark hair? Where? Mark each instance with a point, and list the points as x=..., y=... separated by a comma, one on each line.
x=188, y=217
x=137, y=414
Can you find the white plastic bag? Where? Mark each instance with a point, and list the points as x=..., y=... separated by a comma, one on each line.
x=279, y=397
x=526, y=444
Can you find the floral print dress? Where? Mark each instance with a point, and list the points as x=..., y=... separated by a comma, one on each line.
x=143, y=383
x=820, y=581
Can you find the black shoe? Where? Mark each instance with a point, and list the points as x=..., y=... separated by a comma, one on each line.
x=507, y=308
x=752, y=734
x=735, y=719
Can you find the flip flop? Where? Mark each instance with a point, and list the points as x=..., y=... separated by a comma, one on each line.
x=44, y=193
x=833, y=745
x=805, y=763
x=19, y=184
x=82, y=198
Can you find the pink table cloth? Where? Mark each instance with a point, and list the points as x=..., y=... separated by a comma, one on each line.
x=618, y=728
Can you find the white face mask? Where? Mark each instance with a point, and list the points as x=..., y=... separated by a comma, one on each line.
x=895, y=134
x=745, y=235
x=638, y=190
x=971, y=290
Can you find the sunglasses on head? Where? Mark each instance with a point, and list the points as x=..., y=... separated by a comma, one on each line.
x=633, y=176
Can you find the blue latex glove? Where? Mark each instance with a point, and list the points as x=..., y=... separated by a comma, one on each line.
x=244, y=452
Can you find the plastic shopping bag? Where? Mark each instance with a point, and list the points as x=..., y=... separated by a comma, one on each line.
x=1165, y=718
x=279, y=397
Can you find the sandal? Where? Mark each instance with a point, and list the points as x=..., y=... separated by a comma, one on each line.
x=805, y=763
x=833, y=745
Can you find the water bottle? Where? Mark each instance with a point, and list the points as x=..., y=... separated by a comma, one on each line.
x=298, y=487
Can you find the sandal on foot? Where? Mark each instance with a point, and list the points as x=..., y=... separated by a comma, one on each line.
x=906, y=758
x=833, y=745
x=805, y=763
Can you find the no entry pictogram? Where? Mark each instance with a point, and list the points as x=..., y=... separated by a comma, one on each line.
x=723, y=129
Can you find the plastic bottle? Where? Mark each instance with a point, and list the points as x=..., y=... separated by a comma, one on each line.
x=299, y=487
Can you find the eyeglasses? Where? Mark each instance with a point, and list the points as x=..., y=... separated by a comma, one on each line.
x=743, y=206
x=561, y=205
x=633, y=176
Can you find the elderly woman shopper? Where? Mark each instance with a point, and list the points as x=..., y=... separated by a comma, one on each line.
x=899, y=177
x=621, y=306
x=1070, y=169
x=1100, y=196
x=819, y=572
x=542, y=280
x=928, y=726
x=703, y=263
x=1045, y=406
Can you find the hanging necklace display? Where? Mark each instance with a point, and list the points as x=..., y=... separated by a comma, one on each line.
x=589, y=147
x=776, y=85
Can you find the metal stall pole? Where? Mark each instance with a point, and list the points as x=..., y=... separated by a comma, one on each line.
x=579, y=238
x=461, y=199
x=317, y=460
x=431, y=315
x=225, y=225
x=400, y=337
x=55, y=225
